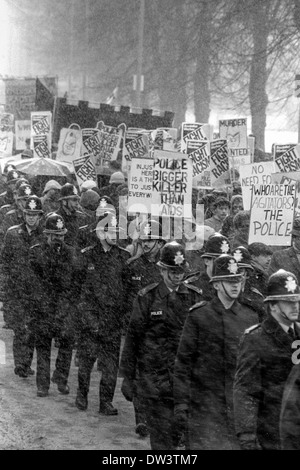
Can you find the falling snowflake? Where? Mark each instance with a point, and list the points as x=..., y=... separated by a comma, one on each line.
x=60, y=224
x=290, y=284
x=147, y=229
x=32, y=204
x=27, y=190
x=232, y=267
x=224, y=247
x=75, y=190
x=179, y=258
x=238, y=256
x=103, y=203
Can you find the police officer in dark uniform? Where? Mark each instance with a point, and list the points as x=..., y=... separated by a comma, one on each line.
x=15, y=215
x=7, y=207
x=7, y=196
x=3, y=176
x=76, y=221
x=206, y=360
x=102, y=308
x=151, y=342
x=54, y=266
x=216, y=245
x=18, y=289
x=264, y=363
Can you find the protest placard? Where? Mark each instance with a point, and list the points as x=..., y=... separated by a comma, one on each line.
x=110, y=140
x=136, y=145
x=6, y=143
x=219, y=164
x=20, y=97
x=194, y=131
x=22, y=132
x=272, y=213
x=40, y=144
x=289, y=160
x=90, y=142
x=235, y=132
x=290, y=178
x=69, y=145
x=254, y=174
x=6, y=121
x=172, y=184
x=199, y=153
x=164, y=138
x=140, y=186
x=41, y=133
x=84, y=169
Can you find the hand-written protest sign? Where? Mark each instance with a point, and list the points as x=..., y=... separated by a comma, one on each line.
x=219, y=165
x=290, y=160
x=6, y=122
x=137, y=147
x=41, y=133
x=69, y=145
x=199, y=152
x=90, y=142
x=235, y=132
x=22, y=132
x=110, y=140
x=6, y=143
x=172, y=184
x=140, y=185
x=254, y=174
x=84, y=169
x=290, y=178
x=272, y=213
x=194, y=131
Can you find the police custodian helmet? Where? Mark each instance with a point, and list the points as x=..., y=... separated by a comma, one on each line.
x=33, y=204
x=242, y=257
x=216, y=245
x=173, y=256
x=283, y=285
x=55, y=224
x=225, y=268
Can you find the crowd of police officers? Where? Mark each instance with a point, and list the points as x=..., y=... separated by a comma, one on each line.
x=206, y=353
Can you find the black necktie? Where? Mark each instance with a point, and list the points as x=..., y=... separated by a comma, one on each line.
x=291, y=333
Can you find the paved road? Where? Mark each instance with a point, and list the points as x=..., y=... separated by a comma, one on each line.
x=31, y=423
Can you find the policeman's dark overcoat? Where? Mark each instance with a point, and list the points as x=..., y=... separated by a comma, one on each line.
x=153, y=335
x=204, y=371
x=264, y=363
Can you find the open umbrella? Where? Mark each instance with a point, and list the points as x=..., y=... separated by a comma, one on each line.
x=44, y=166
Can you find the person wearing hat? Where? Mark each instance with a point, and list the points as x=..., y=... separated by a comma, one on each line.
x=206, y=359
x=215, y=246
x=102, y=308
x=288, y=258
x=7, y=196
x=17, y=288
x=89, y=184
x=77, y=222
x=221, y=209
x=147, y=360
x=50, y=198
x=144, y=271
x=53, y=304
x=264, y=363
x=115, y=180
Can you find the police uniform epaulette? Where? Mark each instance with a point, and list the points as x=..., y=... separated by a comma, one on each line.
x=198, y=305
x=147, y=289
x=11, y=212
x=252, y=328
x=35, y=246
x=195, y=288
x=87, y=248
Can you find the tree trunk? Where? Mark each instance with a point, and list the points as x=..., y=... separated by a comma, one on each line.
x=258, y=71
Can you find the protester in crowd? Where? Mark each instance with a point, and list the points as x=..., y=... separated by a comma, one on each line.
x=206, y=360
x=17, y=287
x=240, y=234
x=236, y=206
x=263, y=366
x=89, y=184
x=53, y=304
x=7, y=197
x=151, y=341
x=208, y=200
x=89, y=201
x=103, y=296
x=50, y=198
x=221, y=210
x=288, y=258
x=3, y=176
x=110, y=190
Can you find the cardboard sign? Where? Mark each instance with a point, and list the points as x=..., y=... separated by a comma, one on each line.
x=41, y=134
x=6, y=122
x=235, y=132
x=172, y=184
x=41, y=148
x=90, y=142
x=290, y=178
x=289, y=160
x=110, y=140
x=22, y=132
x=254, y=174
x=84, y=169
x=219, y=164
x=164, y=139
x=199, y=152
x=272, y=213
x=194, y=131
x=69, y=145
x=140, y=186
x=6, y=143
x=20, y=97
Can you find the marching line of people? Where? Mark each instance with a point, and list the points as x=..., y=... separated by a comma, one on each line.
x=207, y=351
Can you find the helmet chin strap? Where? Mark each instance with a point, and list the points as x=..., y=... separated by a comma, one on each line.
x=284, y=315
x=151, y=249
x=228, y=295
